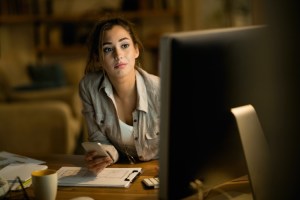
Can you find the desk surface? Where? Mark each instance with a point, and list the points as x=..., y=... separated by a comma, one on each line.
x=135, y=191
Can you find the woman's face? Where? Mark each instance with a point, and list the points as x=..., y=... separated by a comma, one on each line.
x=119, y=52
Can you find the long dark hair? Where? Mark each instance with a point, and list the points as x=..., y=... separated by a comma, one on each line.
x=95, y=40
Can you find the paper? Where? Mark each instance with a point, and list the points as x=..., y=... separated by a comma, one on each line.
x=109, y=177
x=23, y=170
x=7, y=158
x=13, y=165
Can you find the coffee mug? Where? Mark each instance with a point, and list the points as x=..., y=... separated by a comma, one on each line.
x=44, y=183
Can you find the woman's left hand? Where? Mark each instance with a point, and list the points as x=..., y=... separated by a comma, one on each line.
x=95, y=163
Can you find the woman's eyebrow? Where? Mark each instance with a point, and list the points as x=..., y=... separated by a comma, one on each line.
x=124, y=38
x=105, y=43
x=120, y=40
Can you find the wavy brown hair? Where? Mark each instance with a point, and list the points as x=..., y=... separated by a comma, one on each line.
x=95, y=40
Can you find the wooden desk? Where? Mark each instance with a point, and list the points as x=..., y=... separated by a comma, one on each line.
x=135, y=191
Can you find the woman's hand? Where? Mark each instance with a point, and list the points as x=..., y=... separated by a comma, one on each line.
x=95, y=163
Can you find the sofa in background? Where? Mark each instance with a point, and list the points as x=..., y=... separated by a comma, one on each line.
x=40, y=116
x=38, y=127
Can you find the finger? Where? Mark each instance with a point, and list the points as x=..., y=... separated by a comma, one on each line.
x=90, y=155
x=97, y=162
x=97, y=169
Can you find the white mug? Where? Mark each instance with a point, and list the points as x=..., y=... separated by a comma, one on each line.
x=44, y=183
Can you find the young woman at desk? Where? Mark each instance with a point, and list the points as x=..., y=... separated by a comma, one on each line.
x=121, y=101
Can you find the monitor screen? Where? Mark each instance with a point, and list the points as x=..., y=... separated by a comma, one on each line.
x=203, y=75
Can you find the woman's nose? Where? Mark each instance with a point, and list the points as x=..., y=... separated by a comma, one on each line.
x=117, y=54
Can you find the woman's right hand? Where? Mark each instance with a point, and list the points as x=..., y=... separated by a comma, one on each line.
x=95, y=163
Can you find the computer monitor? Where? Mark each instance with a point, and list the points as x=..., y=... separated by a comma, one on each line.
x=203, y=75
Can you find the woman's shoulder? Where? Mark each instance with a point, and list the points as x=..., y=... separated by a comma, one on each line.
x=151, y=83
x=92, y=77
x=91, y=80
x=149, y=78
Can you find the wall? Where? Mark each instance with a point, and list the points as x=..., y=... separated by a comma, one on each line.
x=209, y=14
x=17, y=47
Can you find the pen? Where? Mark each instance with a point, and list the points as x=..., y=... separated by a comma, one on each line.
x=23, y=189
x=20, y=187
x=25, y=184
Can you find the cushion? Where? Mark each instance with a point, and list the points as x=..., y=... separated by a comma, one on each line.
x=44, y=76
x=11, y=76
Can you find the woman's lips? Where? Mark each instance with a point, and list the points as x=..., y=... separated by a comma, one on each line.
x=120, y=65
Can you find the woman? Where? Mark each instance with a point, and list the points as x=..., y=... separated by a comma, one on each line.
x=121, y=101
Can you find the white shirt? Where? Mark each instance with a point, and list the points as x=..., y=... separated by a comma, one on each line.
x=127, y=138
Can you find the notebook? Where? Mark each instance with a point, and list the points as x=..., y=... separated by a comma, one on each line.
x=256, y=150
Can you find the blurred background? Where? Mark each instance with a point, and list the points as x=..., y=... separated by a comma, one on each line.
x=43, y=55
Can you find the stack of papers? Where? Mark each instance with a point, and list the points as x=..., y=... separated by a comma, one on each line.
x=6, y=158
x=13, y=166
x=22, y=170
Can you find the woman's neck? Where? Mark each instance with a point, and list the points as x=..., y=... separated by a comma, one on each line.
x=124, y=87
x=125, y=95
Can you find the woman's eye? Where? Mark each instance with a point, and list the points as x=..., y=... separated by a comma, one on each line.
x=107, y=49
x=124, y=46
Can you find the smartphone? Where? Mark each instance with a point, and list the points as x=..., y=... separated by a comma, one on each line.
x=94, y=146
